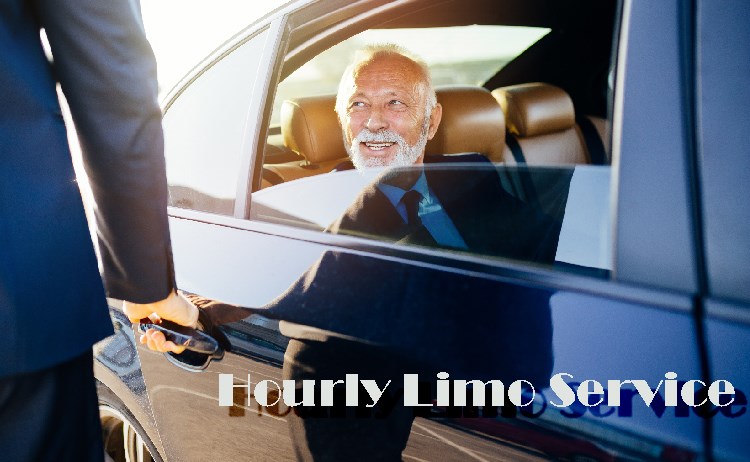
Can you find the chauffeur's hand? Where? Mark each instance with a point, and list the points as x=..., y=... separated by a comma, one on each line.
x=174, y=308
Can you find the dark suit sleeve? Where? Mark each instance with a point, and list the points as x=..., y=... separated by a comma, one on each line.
x=107, y=71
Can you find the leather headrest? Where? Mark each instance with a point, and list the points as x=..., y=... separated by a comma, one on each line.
x=310, y=127
x=535, y=108
x=472, y=122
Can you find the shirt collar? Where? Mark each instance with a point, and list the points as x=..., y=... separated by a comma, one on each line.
x=394, y=193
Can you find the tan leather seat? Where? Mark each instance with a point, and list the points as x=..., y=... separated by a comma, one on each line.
x=310, y=127
x=472, y=122
x=542, y=119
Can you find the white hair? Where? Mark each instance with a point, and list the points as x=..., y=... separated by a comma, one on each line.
x=367, y=55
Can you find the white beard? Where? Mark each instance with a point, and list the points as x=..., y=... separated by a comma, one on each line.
x=406, y=155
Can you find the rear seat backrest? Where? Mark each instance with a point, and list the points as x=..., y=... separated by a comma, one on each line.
x=472, y=122
x=541, y=118
x=310, y=127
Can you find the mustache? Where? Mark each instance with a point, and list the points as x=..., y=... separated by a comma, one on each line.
x=381, y=136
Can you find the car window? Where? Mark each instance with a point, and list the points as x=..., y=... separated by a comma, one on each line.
x=493, y=184
x=204, y=130
x=550, y=216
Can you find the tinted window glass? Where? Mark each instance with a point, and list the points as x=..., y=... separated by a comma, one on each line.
x=551, y=216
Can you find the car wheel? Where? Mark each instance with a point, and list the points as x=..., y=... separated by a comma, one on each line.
x=124, y=438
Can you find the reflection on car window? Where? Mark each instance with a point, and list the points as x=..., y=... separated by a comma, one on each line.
x=512, y=173
x=551, y=216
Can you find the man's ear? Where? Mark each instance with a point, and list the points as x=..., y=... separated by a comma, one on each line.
x=435, y=116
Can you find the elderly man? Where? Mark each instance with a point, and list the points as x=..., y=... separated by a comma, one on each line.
x=388, y=111
x=387, y=108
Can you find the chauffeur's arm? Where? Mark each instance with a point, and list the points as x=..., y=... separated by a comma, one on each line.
x=107, y=71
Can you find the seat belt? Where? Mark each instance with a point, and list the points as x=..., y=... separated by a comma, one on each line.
x=528, y=191
x=515, y=148
x=594, y=144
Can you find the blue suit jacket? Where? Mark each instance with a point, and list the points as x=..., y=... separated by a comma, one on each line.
x=52, y=302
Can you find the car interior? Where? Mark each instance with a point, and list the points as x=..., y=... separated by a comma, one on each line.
x=546, y=106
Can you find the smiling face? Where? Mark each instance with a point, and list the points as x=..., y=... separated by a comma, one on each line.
x=384, y=112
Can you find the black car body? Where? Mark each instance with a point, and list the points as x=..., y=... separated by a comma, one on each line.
x=654, y=287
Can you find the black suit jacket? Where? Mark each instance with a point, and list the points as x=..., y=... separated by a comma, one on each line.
x=492, y=219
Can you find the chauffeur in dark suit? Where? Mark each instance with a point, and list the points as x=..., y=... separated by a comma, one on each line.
x=52, y=302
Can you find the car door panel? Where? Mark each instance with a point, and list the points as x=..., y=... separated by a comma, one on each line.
x=472, y=325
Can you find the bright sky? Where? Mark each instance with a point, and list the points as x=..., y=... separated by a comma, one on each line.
x=182, y=32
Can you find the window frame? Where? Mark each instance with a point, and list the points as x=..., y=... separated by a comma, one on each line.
x=195, y=77
x=654, y=219
x=351, y=25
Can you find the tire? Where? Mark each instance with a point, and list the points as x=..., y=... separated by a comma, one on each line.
x=124, y=438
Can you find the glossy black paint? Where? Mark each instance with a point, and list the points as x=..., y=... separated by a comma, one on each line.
x=358, y=306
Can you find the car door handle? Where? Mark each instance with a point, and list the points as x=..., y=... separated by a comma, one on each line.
x=200, y=347
x=192, y=339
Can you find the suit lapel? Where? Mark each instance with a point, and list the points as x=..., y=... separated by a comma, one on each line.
x=371, y=215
